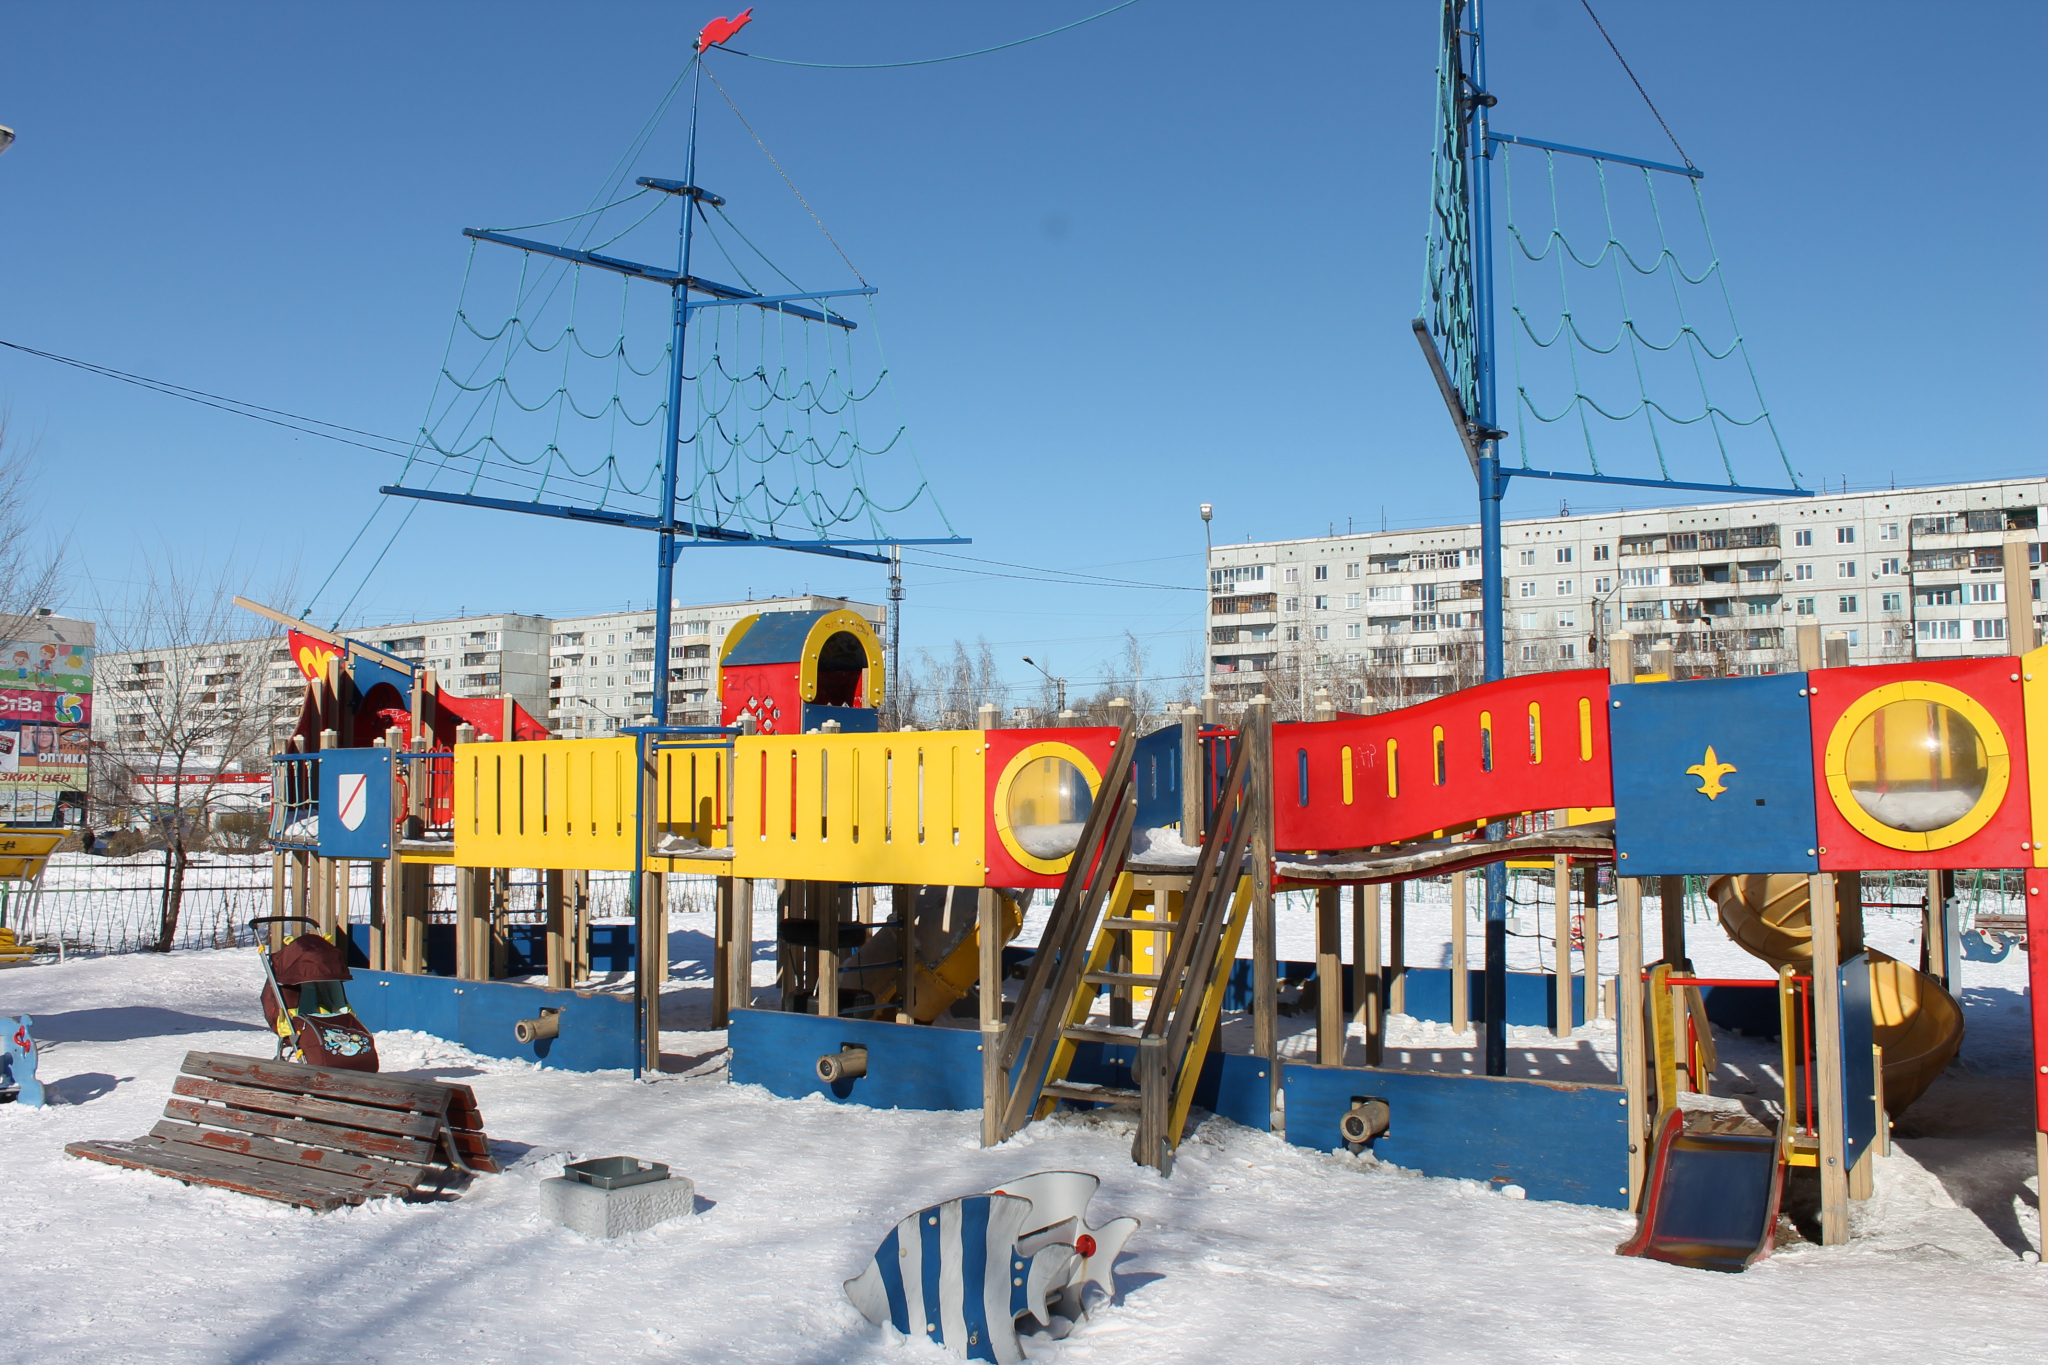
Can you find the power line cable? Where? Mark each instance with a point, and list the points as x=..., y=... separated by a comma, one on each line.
x=928, y=61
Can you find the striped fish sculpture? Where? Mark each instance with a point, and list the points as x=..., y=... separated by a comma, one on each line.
x=961, y=1273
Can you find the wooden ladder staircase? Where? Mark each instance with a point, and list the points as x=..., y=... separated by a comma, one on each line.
x=1080, y=950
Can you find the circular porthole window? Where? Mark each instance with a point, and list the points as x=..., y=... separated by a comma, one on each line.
x=1042, y=803
x=1917, y=765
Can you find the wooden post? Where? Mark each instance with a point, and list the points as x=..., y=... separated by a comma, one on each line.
x=554, y=901
x=578, y=890
x=903, y=909
x=1329, y=976
x=994, y=1090
x=1365, y=955
x=1258, y=729
x=1807, y=638
x=1628, y=1029
x=1827, y=1069
x=465, y=915
x=1397, y=948
x=1192, y=794
x=1561, y=892
x=500, y=924
x=1589, y=930
x=1671, y=902
x=2019, y=593
x=825, y=967
x=340, y=898
x=739, y=961
x=380, y=920
x=280, y=893
x=1461, y=983
x=647, y=972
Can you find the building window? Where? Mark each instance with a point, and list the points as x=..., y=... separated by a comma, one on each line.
x=1568, y=651
x=1756, y=606
x=1322, y=632
x=1528, y=587
x=1888, y=531
x=1528, y=556
x=1567, y=620
x=1603, y=586
x=1351, y=571
x=1888, y=566
x=1322, y=603
x=1802, y=572
x=1529, y=620
x=1802, y=537
x=1987, y=592
x=1351, y=601
x=1847, y=603
x=1293, y=575
x=1940, y=630
x=1564, y=587
x=1564, y=554
x=1531, y=653
x=1642, y=578
x=1322, y=573
x=1845, y=568
x=1891, y=637
x=1294, y=633
x=1891, y=601
x=1845, y=535
x=1988, y=630
x=1354, y=631
x=1601, y=551
x=1293, y=604
x=1803, y=607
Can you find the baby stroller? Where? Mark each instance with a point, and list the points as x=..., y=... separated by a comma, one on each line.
x=305, y=1002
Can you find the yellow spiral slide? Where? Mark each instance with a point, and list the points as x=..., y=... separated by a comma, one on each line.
x=1916, y=1022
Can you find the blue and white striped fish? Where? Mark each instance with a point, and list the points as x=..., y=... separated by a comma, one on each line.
x=952, y=1274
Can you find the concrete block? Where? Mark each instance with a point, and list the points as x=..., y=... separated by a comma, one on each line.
x=597, y=1212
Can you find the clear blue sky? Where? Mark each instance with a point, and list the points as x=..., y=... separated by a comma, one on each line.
x=1164, y=259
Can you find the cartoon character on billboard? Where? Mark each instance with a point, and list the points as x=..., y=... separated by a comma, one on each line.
x=21, y=665
x=47, y=662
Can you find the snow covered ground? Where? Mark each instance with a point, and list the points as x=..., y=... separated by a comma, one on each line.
x=1253, y=1251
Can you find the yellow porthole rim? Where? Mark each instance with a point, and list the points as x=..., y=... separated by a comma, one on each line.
x=1998, y=774
x=1000, y=807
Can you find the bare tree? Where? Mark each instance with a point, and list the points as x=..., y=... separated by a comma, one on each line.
x=30, y=566
x=187, y=705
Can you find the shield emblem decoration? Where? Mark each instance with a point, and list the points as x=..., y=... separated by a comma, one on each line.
x=353, y=789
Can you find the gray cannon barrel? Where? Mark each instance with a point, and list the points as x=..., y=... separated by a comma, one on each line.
x=1365, y=1120
x=549, y=1025
x=850, y=1063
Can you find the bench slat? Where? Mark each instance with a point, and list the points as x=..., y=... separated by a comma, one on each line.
x=389, y=1146
x=309, y=1107
x=395, y=1176
x=354, y=1087
x=194, y=1168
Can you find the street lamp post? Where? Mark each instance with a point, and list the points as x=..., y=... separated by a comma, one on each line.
x=1058, y=683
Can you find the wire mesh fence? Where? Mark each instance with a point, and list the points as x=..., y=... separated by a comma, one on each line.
x=95, y=905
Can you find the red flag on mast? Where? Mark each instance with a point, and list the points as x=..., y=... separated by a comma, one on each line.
x=722, y=28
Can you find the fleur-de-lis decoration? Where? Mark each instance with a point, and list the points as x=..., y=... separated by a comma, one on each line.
x=1710, y=773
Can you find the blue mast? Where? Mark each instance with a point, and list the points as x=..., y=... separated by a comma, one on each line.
x=671, y=446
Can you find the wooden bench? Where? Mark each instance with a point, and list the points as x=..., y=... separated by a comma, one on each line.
x=313, y=1136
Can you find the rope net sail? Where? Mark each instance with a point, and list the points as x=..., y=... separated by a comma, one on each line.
x=1623, y=356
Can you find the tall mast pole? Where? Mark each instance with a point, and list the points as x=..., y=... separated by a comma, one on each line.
x=665, y=539
x=1478, y=181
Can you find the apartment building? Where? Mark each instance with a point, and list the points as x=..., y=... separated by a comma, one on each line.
x=1384, y=618
x=601, y=673
x=476, y=656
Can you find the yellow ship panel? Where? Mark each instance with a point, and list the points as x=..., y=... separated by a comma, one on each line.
x=547, y=804
x=907, y=808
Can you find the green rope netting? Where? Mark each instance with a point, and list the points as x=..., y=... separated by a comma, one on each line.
x=1623, y=340
x=1624, y=344
x=562, y=396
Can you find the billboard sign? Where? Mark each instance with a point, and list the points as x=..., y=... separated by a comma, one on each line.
x=45, y=716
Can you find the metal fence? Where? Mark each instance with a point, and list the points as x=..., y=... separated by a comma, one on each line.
x=94, y=905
